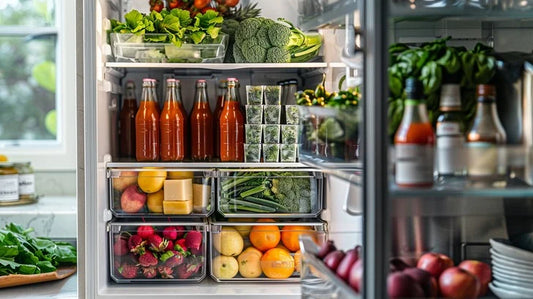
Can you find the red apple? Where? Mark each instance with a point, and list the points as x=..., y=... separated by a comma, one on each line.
x=434, y=263
x=343, y=270
x=424, y=280
x=326, y=248
x=355, y=279
x=481, y=270
x=458, y=283
x=132, y=200
x=333, y=259
x=401, y=285
x=126, y=178
x=397, y=264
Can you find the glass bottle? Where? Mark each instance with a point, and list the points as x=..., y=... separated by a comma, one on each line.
x=291, y=89
x=450, y=133
x=181, y=106
x=221, y=91
x=147, y=125
x=486, y=158
x=153, y=91
x=201, y=125
x=414, y=140
x=126, y=123
x=172, y=124
x=231, y=127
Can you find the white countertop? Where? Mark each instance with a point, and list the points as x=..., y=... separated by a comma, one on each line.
x=51, y=216
x=59, y=289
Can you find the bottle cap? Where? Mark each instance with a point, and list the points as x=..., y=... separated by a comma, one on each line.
x=414, y=89
x=201, y=83
x=293, y=81
x=232, y=80
x=130, y=84
x=147, y=80
x=171, y=80
x=450, y=95
x=485, y=92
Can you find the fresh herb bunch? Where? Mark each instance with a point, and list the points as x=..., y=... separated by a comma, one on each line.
x=435, y=63
x=20, y=253
x=176, y=26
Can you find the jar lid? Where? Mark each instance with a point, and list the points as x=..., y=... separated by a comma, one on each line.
x=450, y=95
x=7, y=164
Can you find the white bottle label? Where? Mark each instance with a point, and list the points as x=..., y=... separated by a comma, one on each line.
x=450, y=149
x=486, y=159
x=9, y=187
x=26, y=184
x=414, y=164
x=448, y=128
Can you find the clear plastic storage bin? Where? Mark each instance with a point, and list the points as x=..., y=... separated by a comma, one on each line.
x=129, y=47
x=157, y=192
x=262, y=250
x=157, y=251
x=276, y=193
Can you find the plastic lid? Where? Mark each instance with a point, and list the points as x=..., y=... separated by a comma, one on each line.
x=171, y=80
x=201, y=83
x=413, y=89
x=485, y=92
x=293, y=81
x=147, y=80
x=450, y=95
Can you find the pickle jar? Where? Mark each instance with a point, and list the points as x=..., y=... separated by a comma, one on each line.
x=26, y=182
x=9, y=183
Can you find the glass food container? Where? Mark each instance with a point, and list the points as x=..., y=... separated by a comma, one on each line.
x=9, y=182
x=26, y=180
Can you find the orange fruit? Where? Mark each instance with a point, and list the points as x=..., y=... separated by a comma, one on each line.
x=277, y=263
x=298, y=261
x=265, y=237
x=290, y=235
x=281, y=246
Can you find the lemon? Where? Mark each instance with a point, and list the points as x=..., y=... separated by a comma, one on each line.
x=3, y=158
x=181, y=175
x=151, y=181
x=155, y=201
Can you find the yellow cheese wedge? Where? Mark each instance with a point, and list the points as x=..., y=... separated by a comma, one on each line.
x=202, y=194
x=177, y=207
x=178, y=189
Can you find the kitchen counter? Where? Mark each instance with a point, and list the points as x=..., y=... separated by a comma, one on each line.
x=65, y=288
x=51, y=216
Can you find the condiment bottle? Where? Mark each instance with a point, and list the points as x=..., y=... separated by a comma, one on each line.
x=201, y=125
x=126, y=123
x=231, y=127
x=9, y=182
x=414, y=140
x=485, y=159
x=26, y=180
x=172, y=124
x=186, y=118
x=221, y=91
x=147, y=125
x=291, y=89
x=450, y=133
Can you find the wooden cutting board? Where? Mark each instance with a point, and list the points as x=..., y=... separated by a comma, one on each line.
x=21, y=279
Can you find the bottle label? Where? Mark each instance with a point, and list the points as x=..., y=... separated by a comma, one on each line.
x=414, y=164
x=448, y=128
x=26, y=184
x=9, y=187
x=486, y=159
x=450, y=155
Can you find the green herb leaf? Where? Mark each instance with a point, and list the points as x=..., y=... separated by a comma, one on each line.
x=198, y=36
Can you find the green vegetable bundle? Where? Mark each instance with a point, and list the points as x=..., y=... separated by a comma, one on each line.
x=21, y=253
x=174, y=26
x=434, y=64
x=264, y=40
x=268, y=192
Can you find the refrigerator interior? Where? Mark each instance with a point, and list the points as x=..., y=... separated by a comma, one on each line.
x=101, y=136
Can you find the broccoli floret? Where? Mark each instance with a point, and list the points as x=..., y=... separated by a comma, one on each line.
x=252, y=52
x=262, y=38
x=247, y=29
x=277, y=55
x=237, y=54
x=279, y=34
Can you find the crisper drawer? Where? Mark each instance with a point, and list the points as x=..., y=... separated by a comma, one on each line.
x=157, y=251
x=263, y=250
x=155, y=192
x=275, y=193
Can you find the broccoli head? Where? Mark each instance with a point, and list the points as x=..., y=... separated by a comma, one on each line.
x=237, y=54
x=262, y=38
x=252, y=52
x=247, y=29
x=277, y=55
x=279, y=34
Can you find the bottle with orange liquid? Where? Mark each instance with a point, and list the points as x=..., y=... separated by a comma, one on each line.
x=201, y=124
x=221, y=93
x=414, y=140
x=186, y=118
x=231, y=127
x=172, y=125
x=126, y=126
x=147, y=125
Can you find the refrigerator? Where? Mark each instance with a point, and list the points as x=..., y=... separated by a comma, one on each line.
x=361, y=204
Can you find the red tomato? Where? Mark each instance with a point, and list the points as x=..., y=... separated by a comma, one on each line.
x=201, y=3
x=232, y=3
x=156, y=5
x=173, y=4
x=203, y=10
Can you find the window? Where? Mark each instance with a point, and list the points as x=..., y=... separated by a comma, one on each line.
x=37, y=82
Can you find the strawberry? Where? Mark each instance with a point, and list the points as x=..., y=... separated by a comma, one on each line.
x=170, y=245
x=181, y=231
x=186, y=270
x=198, y=251
x=149, y=272
x=170, y=233
x=128, y=270
x=145, y=231
x=193, y=239
x=136, y=244
x=120, y=247
x=148, y=259
x=180, y=246
x=165, y=272
x=175, y=260
x=157, y=243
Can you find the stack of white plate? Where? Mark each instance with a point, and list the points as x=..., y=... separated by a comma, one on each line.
x=512, y=270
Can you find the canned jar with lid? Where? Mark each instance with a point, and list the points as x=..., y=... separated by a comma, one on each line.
x=26, y=181
x=9, y=182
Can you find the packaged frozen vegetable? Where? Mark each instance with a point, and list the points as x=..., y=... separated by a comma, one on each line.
x=271, y=152
x=254, y=95
x=292, y=114
x=254, y=114
x=271, y=133
x=252, y=152
x=289, y=134
x=272, y=94
x=253, y=133
x=272, y=114
x=289, y=152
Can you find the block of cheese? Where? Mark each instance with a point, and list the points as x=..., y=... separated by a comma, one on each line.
x=201, y=196
x=177, y=207
x=178, y=189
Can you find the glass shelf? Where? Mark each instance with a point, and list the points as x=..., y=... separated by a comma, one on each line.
x=218, y=66
x=200, y=165
x=331, y=15
x=348, y=171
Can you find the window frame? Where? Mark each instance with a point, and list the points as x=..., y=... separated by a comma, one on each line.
x=61, y=153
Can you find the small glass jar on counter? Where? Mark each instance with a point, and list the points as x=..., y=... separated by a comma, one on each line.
x=26, y=181
x=9, y=182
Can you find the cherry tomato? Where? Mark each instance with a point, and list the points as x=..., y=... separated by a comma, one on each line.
x=156, y=5
x=201, y=3
x=203, y=10
x=232, y=3
x=173, y=4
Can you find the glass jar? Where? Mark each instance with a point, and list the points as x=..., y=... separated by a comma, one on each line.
x=9, y=183
x=26, y=180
